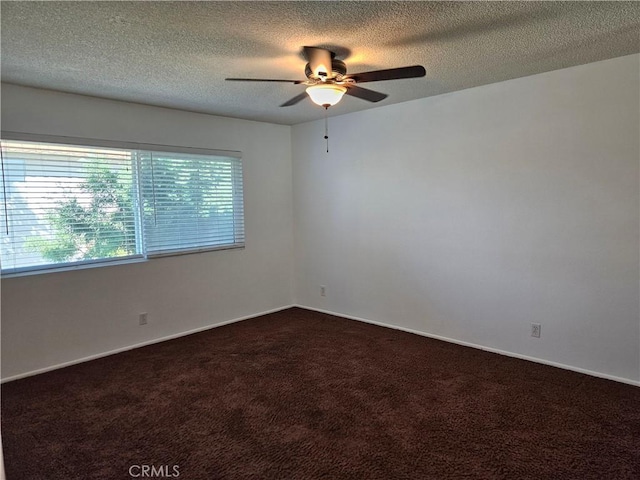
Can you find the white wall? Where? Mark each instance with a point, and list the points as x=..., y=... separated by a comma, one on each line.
x=53, y=318
x=468, y=215
x=471, y=215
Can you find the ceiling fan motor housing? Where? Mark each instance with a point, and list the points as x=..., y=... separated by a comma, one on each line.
x=338, y=69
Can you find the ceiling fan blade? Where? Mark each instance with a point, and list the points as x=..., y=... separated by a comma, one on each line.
x=294, y=100
x=390, y=74
x=319, y=61
x=295, y=82
x=365, y=93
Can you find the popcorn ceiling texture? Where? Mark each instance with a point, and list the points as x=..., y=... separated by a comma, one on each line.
x=177, y=54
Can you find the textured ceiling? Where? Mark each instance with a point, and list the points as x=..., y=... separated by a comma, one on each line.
x=177, y=54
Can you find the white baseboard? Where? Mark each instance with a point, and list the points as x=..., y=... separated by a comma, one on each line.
x=138, y=345
x=480, y=347
x=329, y=312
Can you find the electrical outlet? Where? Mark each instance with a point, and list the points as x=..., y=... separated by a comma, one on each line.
x=323, y=291
x=142, y=319
x=535, y=330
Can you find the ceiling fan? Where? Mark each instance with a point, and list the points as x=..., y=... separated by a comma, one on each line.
x=327, y=79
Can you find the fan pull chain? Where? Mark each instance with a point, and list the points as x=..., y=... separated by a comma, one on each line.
x=326, y=127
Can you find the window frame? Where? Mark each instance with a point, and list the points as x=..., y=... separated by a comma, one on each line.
x=133, y=146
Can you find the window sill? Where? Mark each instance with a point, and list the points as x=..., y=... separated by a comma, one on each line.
x=112, y=263
x=70, y=268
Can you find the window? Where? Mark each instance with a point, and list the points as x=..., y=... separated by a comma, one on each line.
x=65, y=205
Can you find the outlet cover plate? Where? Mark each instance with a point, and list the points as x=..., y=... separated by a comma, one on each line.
x=535, y=330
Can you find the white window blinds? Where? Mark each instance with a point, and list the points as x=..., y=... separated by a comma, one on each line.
x=191, y=202
x=64, y=204
x=70, y=204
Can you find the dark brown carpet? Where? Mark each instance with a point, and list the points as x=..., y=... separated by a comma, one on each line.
x=302, y=395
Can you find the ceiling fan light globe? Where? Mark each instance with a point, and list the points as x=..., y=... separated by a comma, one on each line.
x=326, y=94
